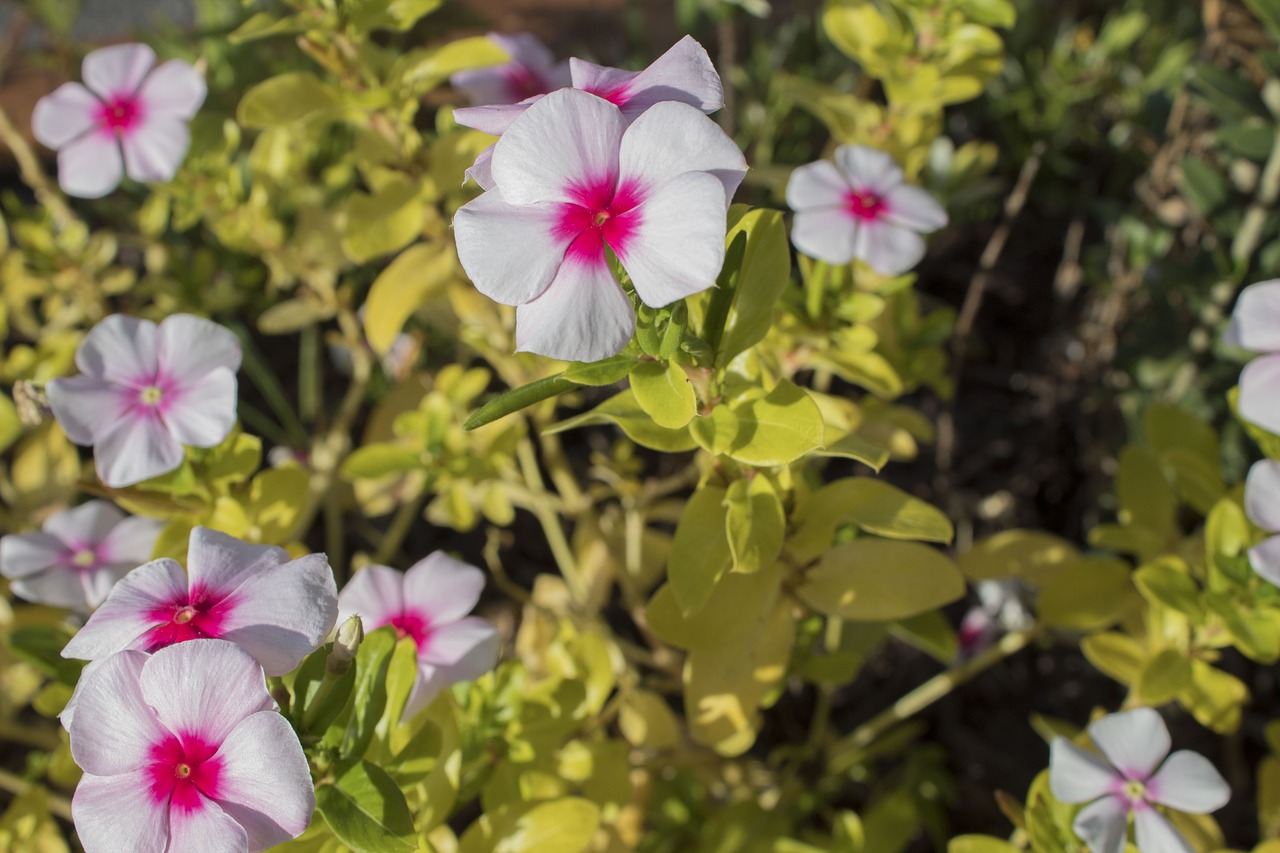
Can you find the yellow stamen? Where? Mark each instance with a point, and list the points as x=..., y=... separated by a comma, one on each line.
x=151, y=395
x=184, y=616
x=84, y=559
x=182, y=771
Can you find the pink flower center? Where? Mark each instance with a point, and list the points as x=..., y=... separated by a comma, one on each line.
x=153, y=395
x=84, y=559
x=865, y=205
x=120, y=114
x=180, y=769
x=618, y=95
x=413, y=625
x=197, y=615
x=598, y=216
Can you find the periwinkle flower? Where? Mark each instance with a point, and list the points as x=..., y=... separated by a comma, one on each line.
x=572, y=178
x=185, y=750
x=279, y=610
x=531, y=71
x=999, y=609
x=1262, y=505
x=145, y=391
x=130, y=116
x=1134, y=779
x=859, y=208
x=78, y=555
x=429, y=604
x=1255, y=325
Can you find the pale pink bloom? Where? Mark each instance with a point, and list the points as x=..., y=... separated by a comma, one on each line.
x=999, y=609
x=531, y=71
x=573, y=177
x=1262, y=505
x=429, y=604
x=1133, y=780
x=859, y=207
x=184, y=750
x=128, y=117
x=279, y=609
x=145, y=391
x=683, y=74
x=1255, y=325
x=78, y=555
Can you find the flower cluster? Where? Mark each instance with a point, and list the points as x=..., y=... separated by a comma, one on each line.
x=1255, y=325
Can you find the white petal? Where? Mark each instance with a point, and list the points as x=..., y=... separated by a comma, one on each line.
x=207, y=829
x=84, y=525
x=123, y=620
x=221, y=563
x=59, y=587
x=1262, y=495
x=1265, y=559
x=1077, y=776
x=154, y=149
x=117, y=70
x=674, y=245
x=868, y=169
x=1135, y=742
x=425, y=688
x=283, y=613
x=131, y=541
x=911, y=207
x=817, y=185
x=683, y=74
x=1154, y=833
x=24, y=554
x=566, y=141
x=433, y=679
x=888, y=249
x=673, y=138
x=91, y=166
x=494, y=119
x=202, y=412
x=450, y=644
x=114, y=728
x=583, y=316
x=87, y=407
x=120, y=349
x=203, y=688
x=1189, y=783
x=115, y=813
x=173, y=89
x=1255, y=321
x=1104, y=825
x=481, y=170
x=189, y=347
x=829, y=235
x=375, y=594
x=442, y=588
x=511, y=253
x=264, y=782
x=65, y=114
x=1260, y=392
x=138, y=449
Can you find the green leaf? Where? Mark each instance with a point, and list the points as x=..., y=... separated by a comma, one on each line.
x=379, y=460
x=700, y=550
x=754, y=523
x=1027, y=554
x=516, y=399
x=1164, y=677
x=606, y=372
x=1087, y=595
x=1203, y=185
x=776, y=429
x=41, y=646
x=1116, y=655
x=384, y=221
x=419, y=272
x=850, y=446
x=624, y=412
x=990, y=13
x=979, y=844
x=369, y=697
x=367, y=811
x=764, y=274
x=285, y=99
x=1167, y=581
x=735, y=602
x=1268, y=11
x=663, y=391
x=10, y=425
x=1215, y=698
x=873, y=506
x=880, y=580
x=1146, y=500
x=423, y=69
x=565, y=825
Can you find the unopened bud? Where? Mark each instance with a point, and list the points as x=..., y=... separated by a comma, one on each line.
x=345, y=645
x=31, y=402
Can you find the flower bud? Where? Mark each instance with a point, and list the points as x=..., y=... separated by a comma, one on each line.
x=345, y=645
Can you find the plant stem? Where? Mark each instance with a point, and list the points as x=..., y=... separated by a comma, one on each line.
x=408, y=513
x=539, y=505
x=14, y=784
x=38, y=738
x=33, y=175
x=267, y=383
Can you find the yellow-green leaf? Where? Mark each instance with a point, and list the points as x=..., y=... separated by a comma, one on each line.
x=663, y=391
x=418, y=273
x=1087, y=595
x=880, y=580
x=1164, y=677
x=1027, y=554
x=700, y=551
x=285, y=99
x=755, y=523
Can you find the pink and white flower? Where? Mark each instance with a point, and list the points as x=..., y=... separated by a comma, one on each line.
x=1262, y=505
x=1000, y=609
x=185, y=750
x=531, y=71
x=572, y=178
x=860, y=208
x=130, y=116
x=1134, y=779
x=683, y=74
x=1255, y=325
x=145, y=391
x=78, y=555
x=279, y=609
x=429, y=604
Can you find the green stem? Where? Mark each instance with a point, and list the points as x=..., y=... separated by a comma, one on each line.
x=261, y=423
x=33, y=175
x=408, y=513
x=14, y=784
x=266, y=382
x=540, y=506
x=815, y=288
x=38, y=738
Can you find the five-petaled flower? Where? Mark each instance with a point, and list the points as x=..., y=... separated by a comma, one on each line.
x=429, y=604
x=1262, y=505
x=1255, y=325
x=185, y=750
x=78, y=555
x=531, y=71
x=128, y=117
x=572, y=179
x=683, y=74
x=144, y=391
x=859, y=207
x=279, y=609
x=1134, y=779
